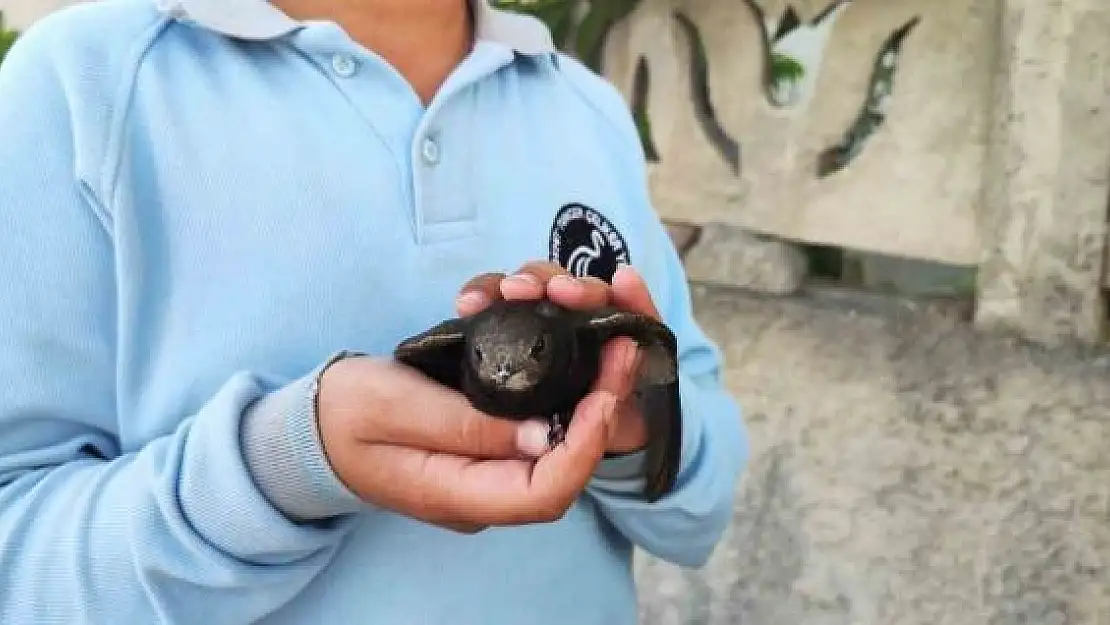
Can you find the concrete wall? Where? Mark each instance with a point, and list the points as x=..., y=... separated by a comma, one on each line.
x=994, y=152
x=906, y=470
x=1048, y=175
x=915, y=187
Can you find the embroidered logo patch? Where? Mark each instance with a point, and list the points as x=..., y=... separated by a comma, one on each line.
x=585, y=243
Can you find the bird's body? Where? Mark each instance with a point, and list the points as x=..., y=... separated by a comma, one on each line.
x=521, y=360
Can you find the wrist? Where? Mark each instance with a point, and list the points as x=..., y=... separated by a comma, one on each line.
x=285, y=453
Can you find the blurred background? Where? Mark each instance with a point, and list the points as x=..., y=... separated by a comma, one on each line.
x=893, y=217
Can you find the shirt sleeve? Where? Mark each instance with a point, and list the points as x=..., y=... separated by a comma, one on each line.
x=93, y=531
x=684, y=526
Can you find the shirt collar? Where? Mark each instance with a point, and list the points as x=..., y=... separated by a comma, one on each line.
x=260, y=20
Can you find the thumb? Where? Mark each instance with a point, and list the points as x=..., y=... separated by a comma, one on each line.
x=567, y=468
x=597, y=420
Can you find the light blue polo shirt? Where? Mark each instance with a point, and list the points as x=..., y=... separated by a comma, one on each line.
x=203, y=203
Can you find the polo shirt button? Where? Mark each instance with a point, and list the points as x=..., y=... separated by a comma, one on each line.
x=343, y=65
x=429, y=151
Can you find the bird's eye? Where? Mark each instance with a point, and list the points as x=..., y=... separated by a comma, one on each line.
x=478, y=352
x=538, y=347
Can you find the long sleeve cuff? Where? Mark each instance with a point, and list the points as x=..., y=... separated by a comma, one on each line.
x=285, y=455
x=684, y=526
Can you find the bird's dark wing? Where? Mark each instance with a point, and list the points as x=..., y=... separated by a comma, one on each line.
x=437, y=351
x=656, y=341
x=659, y=390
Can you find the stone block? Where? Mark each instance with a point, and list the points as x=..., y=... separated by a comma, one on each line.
x=731, y=256
x=683, y=235
x=1048, y=174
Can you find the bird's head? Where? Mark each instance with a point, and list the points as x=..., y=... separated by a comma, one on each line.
x=512, y=347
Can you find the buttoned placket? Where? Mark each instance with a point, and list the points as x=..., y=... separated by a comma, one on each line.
x=441, y=159
x=430, y=151
x=377, y=92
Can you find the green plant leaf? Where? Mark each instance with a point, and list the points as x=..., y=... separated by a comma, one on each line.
x=785, y=67
x=7, y=37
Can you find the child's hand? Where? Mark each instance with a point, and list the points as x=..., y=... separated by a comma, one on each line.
x=403, y=442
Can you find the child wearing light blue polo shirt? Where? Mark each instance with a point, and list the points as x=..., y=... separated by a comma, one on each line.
x=203, y=206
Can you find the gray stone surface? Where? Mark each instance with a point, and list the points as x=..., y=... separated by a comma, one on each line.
x=1048, y=173
x=728, y=255
x=905, y=470
x=684, y=235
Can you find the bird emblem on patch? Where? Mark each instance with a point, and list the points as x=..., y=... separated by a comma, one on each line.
x=586, y=243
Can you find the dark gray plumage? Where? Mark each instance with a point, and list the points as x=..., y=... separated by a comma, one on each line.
x=530, y=359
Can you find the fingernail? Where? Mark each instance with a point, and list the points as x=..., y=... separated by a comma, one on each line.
x=526, y=278
x=531, y=438
x=471, y=299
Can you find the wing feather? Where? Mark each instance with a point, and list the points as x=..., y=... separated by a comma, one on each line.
x=436, y=352
x=659, y=345
x=661, y=402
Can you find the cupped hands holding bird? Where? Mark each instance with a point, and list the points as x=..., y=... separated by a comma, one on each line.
x=402, y=442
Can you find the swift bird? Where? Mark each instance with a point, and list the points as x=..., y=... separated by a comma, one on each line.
x=520, y=360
